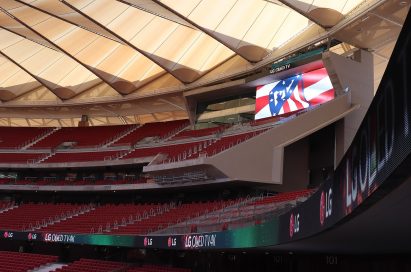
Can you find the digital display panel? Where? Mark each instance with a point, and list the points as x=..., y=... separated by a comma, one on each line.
x=293, y=93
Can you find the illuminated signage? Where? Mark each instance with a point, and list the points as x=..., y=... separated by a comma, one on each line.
x=293, y=93
x=200, y=241
x=63, y=238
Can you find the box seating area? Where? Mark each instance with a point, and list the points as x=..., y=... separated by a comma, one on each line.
x=23, y=262
x=15, y=137
x=89, y=265
x=84, y=136
x=30, y=214
x=159, y=130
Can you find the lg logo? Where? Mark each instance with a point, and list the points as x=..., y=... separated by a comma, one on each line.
x=32, y=236
x=172, y=242
x=326, y=205
x=8, y=234
x=148, y=241
x=294, y=224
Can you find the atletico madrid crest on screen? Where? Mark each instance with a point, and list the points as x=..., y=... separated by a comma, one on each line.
x=293, y=93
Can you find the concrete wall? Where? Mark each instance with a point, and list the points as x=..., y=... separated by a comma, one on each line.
x=357, y=75
x=260, y=159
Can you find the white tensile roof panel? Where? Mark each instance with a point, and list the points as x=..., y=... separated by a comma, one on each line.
x=130, y=48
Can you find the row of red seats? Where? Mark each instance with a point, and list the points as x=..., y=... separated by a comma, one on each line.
x=159, y=129
x=16, y=137
x=229, y=141
x=100, y=217
x=6, y=180
x=175, y=152
x=23, y=262
x=75, y=182
x=30, y=214
x=169, y=149
x=20, y=157
x=83, y=136
x=171, y=217
x=81, y=157
x=130, y=219
x=193, y=150
x=288, y=196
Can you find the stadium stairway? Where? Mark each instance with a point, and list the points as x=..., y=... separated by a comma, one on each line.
x=35, y=141
x=111, y=141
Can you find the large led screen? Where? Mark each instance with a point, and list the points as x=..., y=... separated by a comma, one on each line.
x=293, y=93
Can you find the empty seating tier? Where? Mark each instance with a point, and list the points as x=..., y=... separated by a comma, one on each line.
x=20, y=157
x=99, y=144
x=81, y=136
x=29, y=216
x=16, y=137
x=141, y=219
x=155, y=130
x=82, y=157
x=23, y=262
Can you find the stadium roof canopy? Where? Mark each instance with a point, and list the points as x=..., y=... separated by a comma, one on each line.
x=130, y=61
